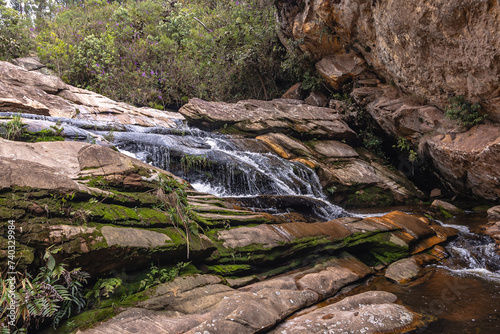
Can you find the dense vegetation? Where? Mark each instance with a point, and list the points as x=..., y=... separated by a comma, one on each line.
x=161, y=52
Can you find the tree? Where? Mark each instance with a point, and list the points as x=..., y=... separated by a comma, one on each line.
x=13, y=35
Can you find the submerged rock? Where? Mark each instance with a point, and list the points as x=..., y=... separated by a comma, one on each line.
x=403, y=270
x=445, y=208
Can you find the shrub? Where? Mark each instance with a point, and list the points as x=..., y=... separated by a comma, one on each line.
x=467, y=113
x=14, y=41
x=162, y=52
x=158, y=276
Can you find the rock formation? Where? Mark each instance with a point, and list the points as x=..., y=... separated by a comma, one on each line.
x=430, y=51
x=430, y=48
x=109, y=213
x=315, y=136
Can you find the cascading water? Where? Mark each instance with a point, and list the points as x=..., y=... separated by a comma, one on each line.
x=473, y=254
x=225, y=166
x=213, y=163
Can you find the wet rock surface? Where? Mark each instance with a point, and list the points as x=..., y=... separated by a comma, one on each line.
x=354, y=176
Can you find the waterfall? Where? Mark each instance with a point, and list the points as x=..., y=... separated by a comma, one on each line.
x=222, y=165
x=225, y=166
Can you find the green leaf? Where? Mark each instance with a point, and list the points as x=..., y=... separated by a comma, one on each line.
x=51, y=263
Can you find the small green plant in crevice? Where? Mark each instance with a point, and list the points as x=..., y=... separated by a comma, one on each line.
x=312, y=82
x=50, y=296
x=372, y=142
x=158, y=276
x=110, y=136
x=466, y=112
x=104, y=287
x=14, y=129
x=342, y=97
x=405, y=146
x=196, y=162
x=331, y=190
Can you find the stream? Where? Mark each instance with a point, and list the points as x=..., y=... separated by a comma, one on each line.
x=462, y=294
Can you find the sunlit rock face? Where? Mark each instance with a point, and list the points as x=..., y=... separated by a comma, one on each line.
x=431, y=48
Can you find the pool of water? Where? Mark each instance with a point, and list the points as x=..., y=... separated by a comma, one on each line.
x=460, y=295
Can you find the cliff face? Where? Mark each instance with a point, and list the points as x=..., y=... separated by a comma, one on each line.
x=431, y=48
x=427, y=51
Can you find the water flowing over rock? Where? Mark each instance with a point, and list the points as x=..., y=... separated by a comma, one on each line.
x=341, y=168
x=263, y=257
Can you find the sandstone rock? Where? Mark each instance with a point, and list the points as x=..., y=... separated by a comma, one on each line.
x=400, y=117
x=369, y=312
x=403, y=270
x=294, y=92
x=29, y=63
x=493, y=230
x=327, y=282
x=448, y=207
x=338, y=68
x=133, y=237
x=24, y=173
x=334, y=149
x=435, y=192
x=317, y=99
x=32, y=92
x=260, y=117
x=463, y=157
x=285, y=146
x=494, y=213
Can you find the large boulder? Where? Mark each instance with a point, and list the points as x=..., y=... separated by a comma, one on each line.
x=469, y=160
x=23, y=90
x=368, y=312
x=253, y=117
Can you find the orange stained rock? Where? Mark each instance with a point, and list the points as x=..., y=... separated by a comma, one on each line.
x=278, y=149
x=306, y=162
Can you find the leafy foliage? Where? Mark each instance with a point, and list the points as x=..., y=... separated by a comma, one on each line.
x=49, y=296
x=405, y=146
x=162, y=52
x=158, y=276
x=14, y=41
x=467, y=113
x=104, y=287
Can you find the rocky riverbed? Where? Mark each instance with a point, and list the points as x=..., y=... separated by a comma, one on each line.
x=248, y=268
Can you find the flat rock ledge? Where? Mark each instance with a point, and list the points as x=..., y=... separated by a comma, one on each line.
x=368, y=312
x=203, y=304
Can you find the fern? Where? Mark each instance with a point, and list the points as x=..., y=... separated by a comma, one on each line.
x=51, y=295
x=158, y=276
